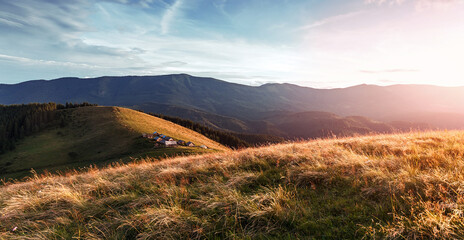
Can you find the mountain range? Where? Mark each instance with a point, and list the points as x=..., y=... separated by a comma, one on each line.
x=276, y=109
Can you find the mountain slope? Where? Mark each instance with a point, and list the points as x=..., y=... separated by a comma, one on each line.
x=323, y=124
x=240, y=101
x=303, y=125
x=405, y=186
x=96, y=135
x=208, y=119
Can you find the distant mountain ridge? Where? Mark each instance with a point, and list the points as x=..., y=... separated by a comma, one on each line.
x=237, y=107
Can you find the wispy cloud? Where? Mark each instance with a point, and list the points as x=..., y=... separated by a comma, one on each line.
x=220, y=6
x=44, y=14
x=381, y=2
x=389, y=71
x=169, y=16
x=330, y=20
x=419, y=4
x=43, y=62
x=403, y=1
x=435, y=4
x=10, y=22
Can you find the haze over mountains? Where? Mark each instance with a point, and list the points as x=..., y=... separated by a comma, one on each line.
x=271, y=108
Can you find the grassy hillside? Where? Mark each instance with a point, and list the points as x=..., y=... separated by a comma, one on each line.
x=407, y=186
x=140, y=122
x=96, y=135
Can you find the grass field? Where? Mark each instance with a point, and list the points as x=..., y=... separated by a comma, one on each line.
x=406, y=186
x=97, y=135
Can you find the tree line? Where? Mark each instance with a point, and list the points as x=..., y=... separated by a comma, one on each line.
x=19, y=121
x=224, y=138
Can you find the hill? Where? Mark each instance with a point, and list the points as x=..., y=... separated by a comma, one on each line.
x=406, y=186
x=96, y=135
x=233, y=105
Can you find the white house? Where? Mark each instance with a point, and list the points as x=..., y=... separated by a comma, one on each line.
x=170, y=143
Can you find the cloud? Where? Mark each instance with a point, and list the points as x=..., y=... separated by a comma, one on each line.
x=389, y=71
x=170, y=15
x=381, y=2
x=174, y=64
x=330, y=20
x=24, y=60
x=418, y=4
x=435, y=4
x=10, y=23
x=53, y=30
x=142, y=3
x=45, y=16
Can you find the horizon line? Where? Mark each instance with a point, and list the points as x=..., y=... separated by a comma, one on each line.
x=270, y=83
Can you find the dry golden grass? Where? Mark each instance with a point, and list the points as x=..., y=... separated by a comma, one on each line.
x=144, y=123
x=405, y=186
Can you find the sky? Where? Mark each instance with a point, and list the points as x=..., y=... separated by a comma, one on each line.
x=314, y=43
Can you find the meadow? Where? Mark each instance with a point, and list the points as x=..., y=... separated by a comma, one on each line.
x=397, y=186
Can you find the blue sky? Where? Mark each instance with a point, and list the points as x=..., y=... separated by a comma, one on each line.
x=317, y=43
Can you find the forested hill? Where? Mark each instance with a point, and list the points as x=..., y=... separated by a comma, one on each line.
x=19, y=121
x=52, y=137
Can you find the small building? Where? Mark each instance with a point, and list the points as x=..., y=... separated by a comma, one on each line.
x=157, y=139
x=144, y=135
x=204, y=147
x=181, y=142
x=156, y=133
x=170, y=143
x=190, y=144
x=167, y=143
x=168, y=138
x=162, y=135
